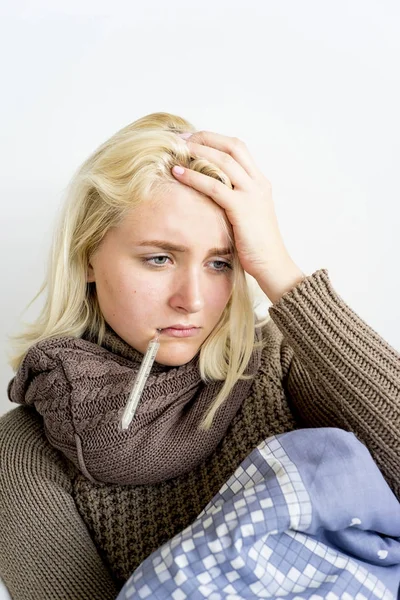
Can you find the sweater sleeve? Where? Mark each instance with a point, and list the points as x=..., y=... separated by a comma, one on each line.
x=45, y=548
x=338, y=372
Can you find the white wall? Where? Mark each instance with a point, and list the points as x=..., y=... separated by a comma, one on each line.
x=311, y=86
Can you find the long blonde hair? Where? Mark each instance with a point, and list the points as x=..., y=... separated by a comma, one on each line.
x=125, y=170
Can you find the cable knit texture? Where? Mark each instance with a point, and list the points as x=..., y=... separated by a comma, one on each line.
x=321, y=366
x=81, y=390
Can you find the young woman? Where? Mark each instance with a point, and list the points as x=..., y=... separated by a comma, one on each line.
x=145, y=251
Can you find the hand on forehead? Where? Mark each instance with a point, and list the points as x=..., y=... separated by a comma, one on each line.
x=248, y=206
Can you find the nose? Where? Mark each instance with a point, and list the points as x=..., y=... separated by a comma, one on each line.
x=187, y=295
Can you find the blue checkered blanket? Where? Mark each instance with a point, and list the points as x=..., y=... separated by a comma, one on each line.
x=306, y=515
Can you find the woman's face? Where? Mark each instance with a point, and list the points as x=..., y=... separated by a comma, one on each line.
x=166, y=266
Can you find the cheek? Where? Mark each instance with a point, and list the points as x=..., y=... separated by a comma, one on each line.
x=114, y=288
x=138, y=294
x=218, y=295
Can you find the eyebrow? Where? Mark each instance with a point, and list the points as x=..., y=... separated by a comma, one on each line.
x=164, y=245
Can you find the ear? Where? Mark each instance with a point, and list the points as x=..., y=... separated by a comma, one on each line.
x=90, y=276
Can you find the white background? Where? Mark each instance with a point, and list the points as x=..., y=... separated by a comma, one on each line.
x=312, y=87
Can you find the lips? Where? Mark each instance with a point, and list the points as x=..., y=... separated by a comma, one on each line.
x=180, y=331
x=178, y=326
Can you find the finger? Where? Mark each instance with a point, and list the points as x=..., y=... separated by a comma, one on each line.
x=208, y=186
x=225, y=162
x=230, y=145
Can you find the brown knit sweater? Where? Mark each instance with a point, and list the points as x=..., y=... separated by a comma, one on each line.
x=62, y=536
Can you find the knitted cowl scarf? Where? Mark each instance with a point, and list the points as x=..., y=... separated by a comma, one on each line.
x=81, y=389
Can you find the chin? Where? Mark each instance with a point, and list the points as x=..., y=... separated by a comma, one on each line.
x=171, y=358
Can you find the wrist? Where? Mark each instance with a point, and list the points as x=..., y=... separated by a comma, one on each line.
x=277, y=280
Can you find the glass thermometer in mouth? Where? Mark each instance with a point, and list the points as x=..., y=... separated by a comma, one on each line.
x=140, y=380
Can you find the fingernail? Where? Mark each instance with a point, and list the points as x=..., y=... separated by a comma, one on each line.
x=185, y=136
x=178, y=170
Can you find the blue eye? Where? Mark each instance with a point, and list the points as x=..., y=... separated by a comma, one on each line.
x=156, y=261
x=221, y=265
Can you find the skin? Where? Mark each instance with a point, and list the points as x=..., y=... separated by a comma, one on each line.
x=249, y=208
x=143, y=288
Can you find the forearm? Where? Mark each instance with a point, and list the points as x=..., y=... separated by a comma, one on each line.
x=45, y=548
x=339, y=371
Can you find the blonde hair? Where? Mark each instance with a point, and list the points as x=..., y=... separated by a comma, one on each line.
x=125, y=170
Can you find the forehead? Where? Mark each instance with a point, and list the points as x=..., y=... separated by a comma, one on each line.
x=181, y=214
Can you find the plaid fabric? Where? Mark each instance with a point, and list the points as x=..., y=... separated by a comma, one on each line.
x=306, y=515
